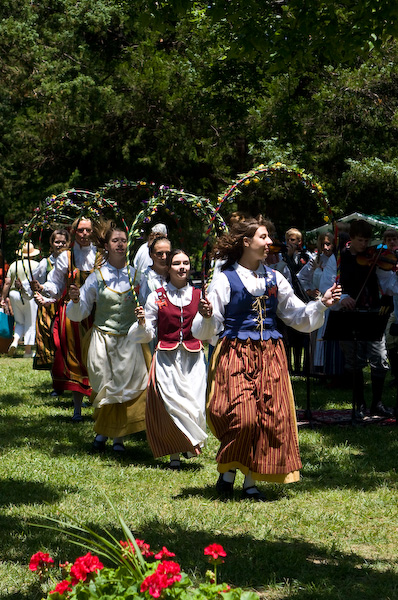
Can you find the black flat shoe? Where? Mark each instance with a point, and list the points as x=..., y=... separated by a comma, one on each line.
x=98, y=446
x=256, y=496
x=224, y=488
x=174, y=465
x=381, y=411
x=118, y=447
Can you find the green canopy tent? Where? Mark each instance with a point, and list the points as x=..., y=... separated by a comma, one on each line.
x=380, y=224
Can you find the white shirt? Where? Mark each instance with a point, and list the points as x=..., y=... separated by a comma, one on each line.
x=83, y=259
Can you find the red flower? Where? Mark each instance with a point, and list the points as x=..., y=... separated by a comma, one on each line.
x=144, y=548
x=62, y=587
x=83, y=566
x=215, y=551
x=164, y=553
x=167, y=572
x=39, y=560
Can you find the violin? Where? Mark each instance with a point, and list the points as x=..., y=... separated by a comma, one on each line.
x=378, y=256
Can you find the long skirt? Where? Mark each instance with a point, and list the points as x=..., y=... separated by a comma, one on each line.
x=45, y=348
x=118, y=371
x=251, y=410
x=69, y=372
x=176, y=399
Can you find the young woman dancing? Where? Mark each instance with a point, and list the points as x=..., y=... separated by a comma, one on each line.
x=116, y=365
x=175, y=413
x=250, y=400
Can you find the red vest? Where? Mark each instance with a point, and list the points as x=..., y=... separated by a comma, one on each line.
x=174, y=323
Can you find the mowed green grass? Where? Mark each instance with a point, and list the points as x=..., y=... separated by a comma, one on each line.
x=332, y=536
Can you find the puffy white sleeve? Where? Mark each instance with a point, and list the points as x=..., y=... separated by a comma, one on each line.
x=219, y=296
x=77, y=311
x=306, y=275
x=143, y=334
x=57, y=278
x=293, y=312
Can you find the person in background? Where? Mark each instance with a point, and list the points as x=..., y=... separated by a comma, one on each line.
x=294, y=257
x=142, y=259
x=72, y=266
x=24, y=308
x=360, y=287
x=44, y=358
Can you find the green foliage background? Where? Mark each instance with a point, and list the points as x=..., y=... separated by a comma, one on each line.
x=190, y=94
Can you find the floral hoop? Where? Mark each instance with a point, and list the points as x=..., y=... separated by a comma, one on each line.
x=167, y=199
x=265, y=172
x=62, y=210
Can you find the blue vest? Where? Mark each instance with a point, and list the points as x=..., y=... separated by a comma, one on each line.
x=248, y=316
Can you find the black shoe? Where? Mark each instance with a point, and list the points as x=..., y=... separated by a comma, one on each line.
x=379, y=410
x=256, y=496
x=360, y=413
x=224, y=488
x=174, y=465
x=118, y=447
x=98, y=446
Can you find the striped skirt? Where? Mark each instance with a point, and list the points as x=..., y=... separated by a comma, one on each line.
x=250, y=409
x=69, y=372
x=44, y=337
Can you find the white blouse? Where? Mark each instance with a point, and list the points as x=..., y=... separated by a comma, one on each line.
x=84, y=259
x=292, y=311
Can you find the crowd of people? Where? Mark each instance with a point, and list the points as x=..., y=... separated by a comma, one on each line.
x=142, y=362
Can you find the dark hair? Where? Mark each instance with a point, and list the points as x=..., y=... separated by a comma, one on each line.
x=172, y=254
x=158, y=238
x=63, y=232
x=230, y=245
x=360, y=228
x=389, y=233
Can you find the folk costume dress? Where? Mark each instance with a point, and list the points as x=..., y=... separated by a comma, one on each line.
x=176, y=398
x=250, y=405
x=69, y=372
x=116, y=365
x=45, y=349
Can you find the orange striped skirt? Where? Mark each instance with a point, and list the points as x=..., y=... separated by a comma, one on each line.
x=250, y=409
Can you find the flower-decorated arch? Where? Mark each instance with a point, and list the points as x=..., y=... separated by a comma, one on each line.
x=271, y=172
x=63, y=209
x=169, y=200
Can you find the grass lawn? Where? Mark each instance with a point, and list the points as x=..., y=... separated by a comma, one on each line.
x=332, y=536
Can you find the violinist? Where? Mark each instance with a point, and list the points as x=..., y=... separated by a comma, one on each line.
x=360, y=286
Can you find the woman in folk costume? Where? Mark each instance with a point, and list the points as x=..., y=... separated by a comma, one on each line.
x=59, y=241
x=175, y=412
x=71, y=266
x=250, y=400
x=23, y=306
x=116, y=364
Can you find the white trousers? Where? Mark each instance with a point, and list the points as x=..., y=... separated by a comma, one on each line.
x=25, y=317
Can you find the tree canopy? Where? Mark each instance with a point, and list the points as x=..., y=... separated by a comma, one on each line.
x=190, y=94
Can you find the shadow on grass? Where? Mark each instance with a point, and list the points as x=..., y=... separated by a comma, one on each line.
x=17, y=492
x=296, y=568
